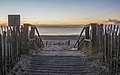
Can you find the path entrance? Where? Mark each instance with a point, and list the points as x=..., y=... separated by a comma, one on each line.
x=58, y=62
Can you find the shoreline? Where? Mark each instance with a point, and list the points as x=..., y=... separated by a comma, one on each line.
x=59, y=37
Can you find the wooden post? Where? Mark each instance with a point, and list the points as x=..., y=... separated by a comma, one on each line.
x=8, y=49
x=102, y=42
x=32, y=36
x=98, y=40
x=68, y=42
x=21, y=40
x=1, y=67
x=13, y=41
x=46, y=43
x=106, y=45
x=32, y=32
x=25, y=37
x=115, y=60
x=2, y=50
x=87, y=34
x=101, y=35
x=111, y=55
x=117, y=49
x=4, y=54
x=18, y=41
x=93, y=37
x=97, y=36
x=109, y=46
x=11, y=49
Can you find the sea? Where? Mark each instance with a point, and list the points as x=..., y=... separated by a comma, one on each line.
x=59, y=30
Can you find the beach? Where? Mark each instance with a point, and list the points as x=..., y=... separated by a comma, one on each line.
x=65, y=41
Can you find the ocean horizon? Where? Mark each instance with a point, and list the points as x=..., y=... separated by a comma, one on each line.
x=59, y=30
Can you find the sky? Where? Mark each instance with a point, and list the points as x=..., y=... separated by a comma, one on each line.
x=61, y=12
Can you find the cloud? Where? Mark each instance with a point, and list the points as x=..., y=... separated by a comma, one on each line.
x=114, y=21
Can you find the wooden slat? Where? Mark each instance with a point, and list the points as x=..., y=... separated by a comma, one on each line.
x=79, y=37
x=1, y=67
x=87, y=35
x=39, y=37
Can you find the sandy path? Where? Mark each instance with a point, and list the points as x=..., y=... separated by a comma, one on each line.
x=58, y=51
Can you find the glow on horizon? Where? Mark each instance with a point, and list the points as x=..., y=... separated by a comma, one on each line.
x=62, y=12
x=74, y=21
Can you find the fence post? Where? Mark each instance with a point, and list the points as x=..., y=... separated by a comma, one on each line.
x=13, y=41
x=93, y=37
x=21, y=40
x=8, y=49
x=87, y=35
x=4, y=54
x=11, y=48
x=25, y=37
x=101, y=42
x=1, y=65
x=110, y=41
x=97, y=36
x=105, y=44
x=32, y=32
x=118, y=48
x=112, y=50
x=18, y=41
x=32, y=36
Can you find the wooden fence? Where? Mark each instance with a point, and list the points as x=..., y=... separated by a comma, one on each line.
x=105, y=39
x=15, y=41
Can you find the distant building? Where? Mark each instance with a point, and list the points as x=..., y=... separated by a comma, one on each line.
x=14, y=20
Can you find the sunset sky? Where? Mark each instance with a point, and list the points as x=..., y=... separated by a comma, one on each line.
x=61, y=11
